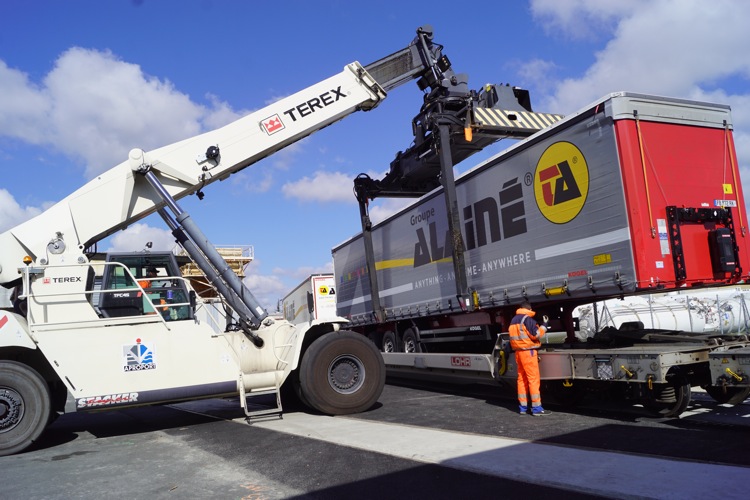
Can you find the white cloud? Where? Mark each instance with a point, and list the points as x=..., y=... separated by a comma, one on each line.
x=267, y=289
x=23, y=106
x=385, y=207
x=221, y=113
x=135, y=237
x=11, y=212
x=662, y=47
x=322, y=186
x=580, y=19
x=103, y=107
x=253, y=180
x=94, y=107
x=296, y=275
x=540, y=72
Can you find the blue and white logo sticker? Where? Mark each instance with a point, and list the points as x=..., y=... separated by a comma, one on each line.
x=138, y=357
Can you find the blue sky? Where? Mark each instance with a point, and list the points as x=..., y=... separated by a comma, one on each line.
x=83, y=82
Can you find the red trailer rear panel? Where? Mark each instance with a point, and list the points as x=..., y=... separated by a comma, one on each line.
x=683, y=193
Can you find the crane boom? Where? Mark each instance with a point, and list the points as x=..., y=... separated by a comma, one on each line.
x=121, y=196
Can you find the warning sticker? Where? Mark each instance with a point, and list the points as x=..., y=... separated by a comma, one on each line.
x=661, y=224
x=602, y=258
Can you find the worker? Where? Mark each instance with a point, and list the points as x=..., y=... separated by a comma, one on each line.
x=525, y=339
x=151, y=272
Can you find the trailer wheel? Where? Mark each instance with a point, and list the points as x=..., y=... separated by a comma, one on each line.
x=727, y=395
x=24, y=406
x=389, y=342
x=342, y=373
x=672, y=399
x=411, y=344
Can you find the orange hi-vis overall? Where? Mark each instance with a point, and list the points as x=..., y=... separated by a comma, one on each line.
x=525, y=339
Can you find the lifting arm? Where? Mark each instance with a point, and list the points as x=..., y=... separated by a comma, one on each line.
x=453, y=124
x=121, y=196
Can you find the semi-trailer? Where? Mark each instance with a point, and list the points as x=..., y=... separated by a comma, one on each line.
x=633, y=194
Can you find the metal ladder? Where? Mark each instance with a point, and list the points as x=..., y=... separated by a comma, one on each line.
x=250, y=414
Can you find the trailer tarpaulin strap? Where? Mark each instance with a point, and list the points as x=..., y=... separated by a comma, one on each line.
x=645, y=176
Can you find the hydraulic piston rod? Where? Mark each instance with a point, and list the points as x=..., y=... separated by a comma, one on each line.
x=208, y=259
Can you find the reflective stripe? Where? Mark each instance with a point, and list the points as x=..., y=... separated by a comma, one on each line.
x=521, y=339
x=521, y=336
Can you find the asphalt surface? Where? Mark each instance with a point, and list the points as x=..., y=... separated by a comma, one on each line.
x=417, y=442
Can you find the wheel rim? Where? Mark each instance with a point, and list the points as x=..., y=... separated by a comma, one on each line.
x=11, y=409
x=388, y=346
x=346, y=374
x=410, y=345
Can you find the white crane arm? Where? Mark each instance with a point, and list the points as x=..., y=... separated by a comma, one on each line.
x=120, y=196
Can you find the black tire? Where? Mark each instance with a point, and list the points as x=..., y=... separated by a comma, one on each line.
x=342, y=373
x=389, y=342
x=727, y=395
x=411, y=343
x=25, y=406
x=682, y=391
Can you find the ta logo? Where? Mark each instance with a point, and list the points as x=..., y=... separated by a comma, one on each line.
x=561, y=182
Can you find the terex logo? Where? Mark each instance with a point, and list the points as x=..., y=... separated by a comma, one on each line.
x=272, y=124
x=309, y=107
x=66, y=279
x=561, y=182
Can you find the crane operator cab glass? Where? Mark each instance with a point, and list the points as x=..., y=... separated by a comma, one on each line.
x=144, y=283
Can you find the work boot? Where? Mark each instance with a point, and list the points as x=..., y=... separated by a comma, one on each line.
x=537, y=411
x=523, y=410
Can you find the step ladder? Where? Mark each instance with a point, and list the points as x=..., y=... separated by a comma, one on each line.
x=251, y=414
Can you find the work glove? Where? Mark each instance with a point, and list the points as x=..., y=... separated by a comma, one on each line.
x=545, y=322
